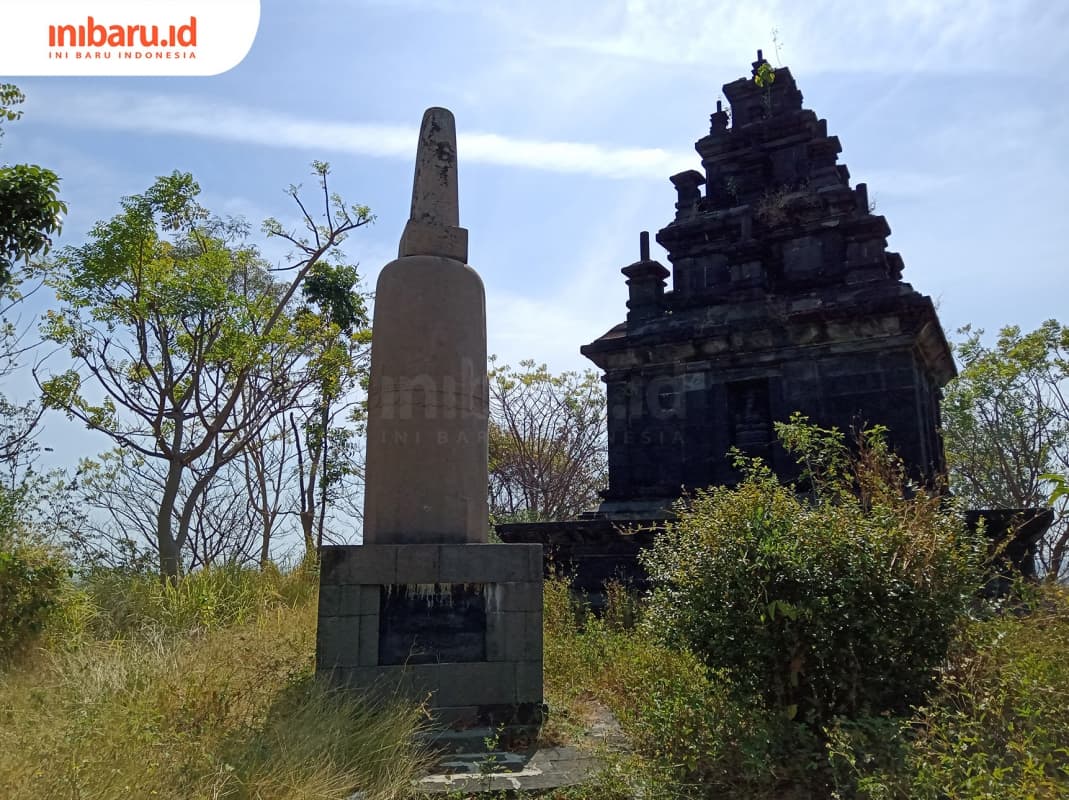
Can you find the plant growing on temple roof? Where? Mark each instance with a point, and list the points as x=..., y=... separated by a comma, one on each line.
x=764, y=76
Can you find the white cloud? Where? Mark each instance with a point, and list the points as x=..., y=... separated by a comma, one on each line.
x=188, y=116
x=906, y=36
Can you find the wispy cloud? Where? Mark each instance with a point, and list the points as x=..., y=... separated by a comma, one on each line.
x=188, y=116
x=838, y=35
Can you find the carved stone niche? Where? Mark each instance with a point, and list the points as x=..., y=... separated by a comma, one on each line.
x=803, y=259
x=751, y=417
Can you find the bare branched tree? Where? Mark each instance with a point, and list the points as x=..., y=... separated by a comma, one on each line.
x=547, y=443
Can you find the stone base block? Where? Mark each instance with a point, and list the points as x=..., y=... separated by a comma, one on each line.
x=472, y=615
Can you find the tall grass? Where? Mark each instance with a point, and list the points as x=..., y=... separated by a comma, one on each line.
x=693, y=737
x=202, y=690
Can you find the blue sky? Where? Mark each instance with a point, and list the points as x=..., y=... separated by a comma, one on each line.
x=571, y=118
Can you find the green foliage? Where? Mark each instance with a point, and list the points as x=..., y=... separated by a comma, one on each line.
x=111, y=603
x=1060, y=484
x=839, y=606
x=1006, y=426
x=765, y=75
x=31, y=578
x=332, y=287
x=10, y=96
x=999, y=725
x=695, y=734
x=30, y=208
x=192, y=346
x=822, y=645
x=30, y=213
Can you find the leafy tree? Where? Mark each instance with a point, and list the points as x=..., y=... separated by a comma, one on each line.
x=30, y=215
x=189, y=345
x=1006, y=426
x=327, y=452
x=30, y=208
x=547, y=443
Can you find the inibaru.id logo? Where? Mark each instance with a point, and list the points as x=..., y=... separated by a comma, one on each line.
x=94, y=34
x=96, y=40
x=127, y=37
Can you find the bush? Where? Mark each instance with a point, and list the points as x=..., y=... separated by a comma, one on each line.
x=999, y=725
x=32, y=578
x=838, y=605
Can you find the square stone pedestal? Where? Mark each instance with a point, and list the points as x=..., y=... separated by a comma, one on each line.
x=460, y=624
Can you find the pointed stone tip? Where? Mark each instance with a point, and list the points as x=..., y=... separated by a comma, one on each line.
x=434, y=220
x=438, y=118
x=434, y=187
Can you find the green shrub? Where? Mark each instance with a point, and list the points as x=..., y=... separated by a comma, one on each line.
x=32, y=577
x=999, y=725
x=841, y=604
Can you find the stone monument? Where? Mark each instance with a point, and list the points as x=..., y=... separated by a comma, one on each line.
x=425, y=602
x=783, y=298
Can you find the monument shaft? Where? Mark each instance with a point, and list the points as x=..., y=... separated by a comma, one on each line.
x=427, y=405
x=427, y=396
x=425, y=605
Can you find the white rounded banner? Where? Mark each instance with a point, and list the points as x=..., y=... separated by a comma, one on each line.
x=125, y=37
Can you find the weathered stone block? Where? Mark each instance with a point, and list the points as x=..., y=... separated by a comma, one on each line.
x=524, y=641
x=529, y=681
x=476, y=684
x=365, y=599
x=517, y=596
x=333, y=560
x=417, y=682
x=358, y=564
x=419, y=563
x=369, y=640
x=496, y=636
x=490, y=563
x=337, y=642
x=533, y=633
x=331, y=601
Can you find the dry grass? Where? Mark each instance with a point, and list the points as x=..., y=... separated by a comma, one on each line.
x=225, y=711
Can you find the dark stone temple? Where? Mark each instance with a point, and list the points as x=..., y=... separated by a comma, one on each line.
x=783, y=298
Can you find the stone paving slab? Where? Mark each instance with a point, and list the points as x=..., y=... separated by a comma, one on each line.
x=534, y=770
x=548, y=768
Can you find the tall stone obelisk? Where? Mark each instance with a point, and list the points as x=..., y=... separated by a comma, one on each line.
x=426, y=471
x=426, y=603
